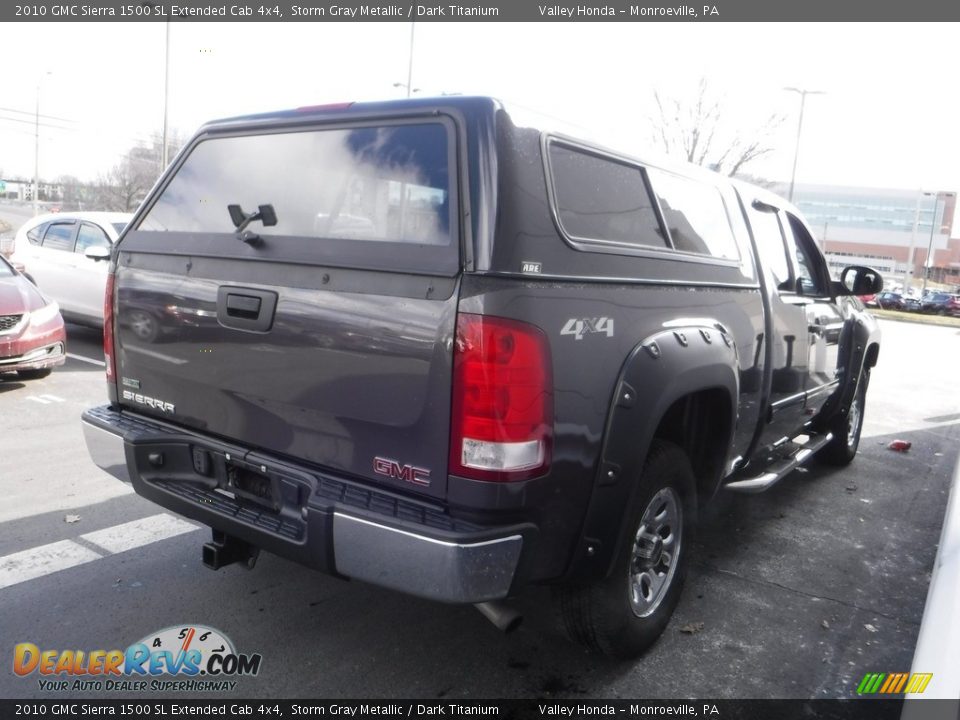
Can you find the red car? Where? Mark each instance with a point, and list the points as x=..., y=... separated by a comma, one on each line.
x=32, y=337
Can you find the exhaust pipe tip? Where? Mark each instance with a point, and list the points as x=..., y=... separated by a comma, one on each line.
x=503, y=617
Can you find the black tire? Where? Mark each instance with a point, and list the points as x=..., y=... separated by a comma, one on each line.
x=846, y=428
x=613, y=615
x=34, y=374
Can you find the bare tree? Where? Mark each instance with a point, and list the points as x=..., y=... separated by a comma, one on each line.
x=697, y=131
x=75, y=194
x=125, y=185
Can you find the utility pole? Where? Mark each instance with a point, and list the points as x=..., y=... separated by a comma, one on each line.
x=166, y=98
x=933, y=221
x=907, y=278
x=36, y=149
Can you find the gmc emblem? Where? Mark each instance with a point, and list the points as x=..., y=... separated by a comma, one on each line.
x=407, y=473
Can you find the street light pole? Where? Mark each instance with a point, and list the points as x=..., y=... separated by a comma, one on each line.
x=913, y=239
x=928, y=258
x=413, y=27
x=796, y=151
x=404, y=85
x=166, y=97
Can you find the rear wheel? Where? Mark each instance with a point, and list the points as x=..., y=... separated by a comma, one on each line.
x=846, y=428
x=34, y=374
x=144, y=326
x=625, y=613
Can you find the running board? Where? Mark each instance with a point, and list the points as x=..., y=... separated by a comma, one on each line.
x=780, y=470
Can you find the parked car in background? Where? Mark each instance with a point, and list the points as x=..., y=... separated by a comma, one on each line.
x=911, y=304
x=32, y=338
x=953, y=306
x=66, y=255
x=937, y=303
x=869, y=300
x=889, y=301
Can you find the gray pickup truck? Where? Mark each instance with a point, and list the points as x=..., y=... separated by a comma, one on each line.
x=416, y=344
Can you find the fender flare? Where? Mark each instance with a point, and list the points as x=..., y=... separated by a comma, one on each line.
x=660, y=370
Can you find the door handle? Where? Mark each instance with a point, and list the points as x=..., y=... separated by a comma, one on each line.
x=242, y=308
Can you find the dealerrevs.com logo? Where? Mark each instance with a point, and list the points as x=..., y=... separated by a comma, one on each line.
x=184, y=658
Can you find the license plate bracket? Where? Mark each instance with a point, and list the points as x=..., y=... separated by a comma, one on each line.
x=251, y=484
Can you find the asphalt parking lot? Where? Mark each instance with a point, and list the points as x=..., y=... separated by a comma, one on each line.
x=794, y=593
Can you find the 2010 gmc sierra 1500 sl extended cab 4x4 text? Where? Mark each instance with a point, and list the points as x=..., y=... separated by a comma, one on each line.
x=416, y=344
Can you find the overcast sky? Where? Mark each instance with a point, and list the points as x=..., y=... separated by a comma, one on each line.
x=888, y=117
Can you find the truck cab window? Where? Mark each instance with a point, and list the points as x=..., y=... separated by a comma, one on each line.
x=770, y=246
x=809, y=275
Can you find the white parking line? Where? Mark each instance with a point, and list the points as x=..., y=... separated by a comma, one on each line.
x=81, y=358
x=43, y=560
x=46, y=559
x=138, y=533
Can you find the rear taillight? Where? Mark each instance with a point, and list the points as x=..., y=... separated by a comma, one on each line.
x=502, y=417
x=108, y=355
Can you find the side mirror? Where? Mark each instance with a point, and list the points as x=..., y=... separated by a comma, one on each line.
x=97, y=252
x=859, y=280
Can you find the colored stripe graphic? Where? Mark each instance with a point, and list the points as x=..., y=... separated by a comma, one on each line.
x=918, y=682
x=899, y=685
x=892, y=679
x=893, y=683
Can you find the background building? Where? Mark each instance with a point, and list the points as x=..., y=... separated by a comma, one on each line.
x=876, y=227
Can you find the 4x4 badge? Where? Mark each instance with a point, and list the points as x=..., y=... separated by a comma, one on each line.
x=578, y=327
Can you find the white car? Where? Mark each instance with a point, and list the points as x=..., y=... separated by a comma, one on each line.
x=66, y=255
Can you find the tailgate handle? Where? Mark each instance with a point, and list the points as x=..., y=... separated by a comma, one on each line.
x=243, y=308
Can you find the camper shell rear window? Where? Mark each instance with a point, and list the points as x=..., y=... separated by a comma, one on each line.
x=376, y=195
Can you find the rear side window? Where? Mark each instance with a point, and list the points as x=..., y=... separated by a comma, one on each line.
x=385, y=183
x=601, y=199
x=59, y=236
x=695, y=215
x=91, y=236
x=34, y=235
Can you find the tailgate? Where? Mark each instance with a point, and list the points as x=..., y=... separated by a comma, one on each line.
x=320, y=330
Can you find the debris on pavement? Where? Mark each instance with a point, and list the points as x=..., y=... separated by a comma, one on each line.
x=870, y=627
x=692, y=628
x=71, y=518
x=825, y=624
x=900, y=445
